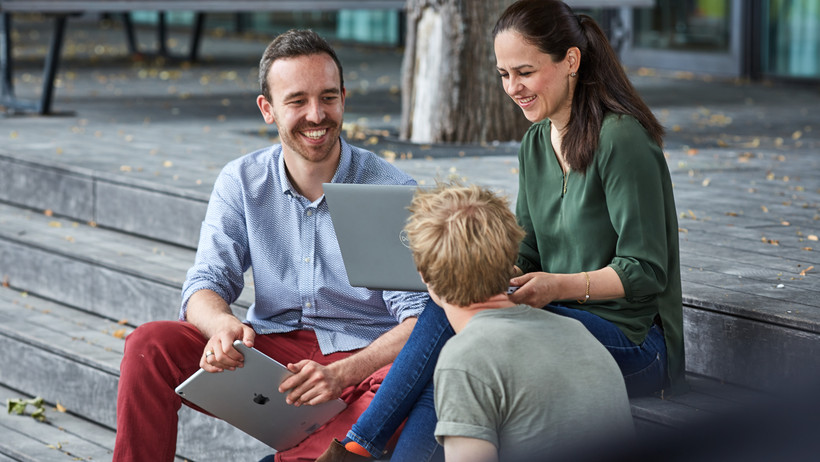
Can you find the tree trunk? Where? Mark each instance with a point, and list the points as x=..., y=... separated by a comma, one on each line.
x=451, y=90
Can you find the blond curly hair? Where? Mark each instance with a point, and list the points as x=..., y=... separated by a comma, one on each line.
x=464, y=240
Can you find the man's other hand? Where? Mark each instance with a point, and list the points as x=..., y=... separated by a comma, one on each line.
x=311, y=383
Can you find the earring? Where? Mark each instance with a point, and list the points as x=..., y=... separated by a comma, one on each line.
x=573, y=74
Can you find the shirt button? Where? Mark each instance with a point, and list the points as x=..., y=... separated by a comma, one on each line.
x=307, y=305
x=310, y=213
x=307, y=260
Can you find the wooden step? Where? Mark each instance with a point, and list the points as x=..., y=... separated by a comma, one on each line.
x=115, y=275
x=72, y=357
x=120, y=202
x=61, y=437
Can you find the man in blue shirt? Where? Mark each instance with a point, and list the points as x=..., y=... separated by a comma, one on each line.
x=267, y=213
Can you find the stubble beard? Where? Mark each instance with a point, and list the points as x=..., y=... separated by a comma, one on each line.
x=294, y=140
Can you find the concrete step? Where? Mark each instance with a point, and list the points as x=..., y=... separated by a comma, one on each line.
x=72, y=357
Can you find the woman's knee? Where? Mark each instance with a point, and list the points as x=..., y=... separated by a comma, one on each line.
x=647, y=380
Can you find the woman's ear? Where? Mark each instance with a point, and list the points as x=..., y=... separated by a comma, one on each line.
x=573, y=59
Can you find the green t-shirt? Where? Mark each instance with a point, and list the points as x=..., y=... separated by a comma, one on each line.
x=620, y=213
x=532, y=383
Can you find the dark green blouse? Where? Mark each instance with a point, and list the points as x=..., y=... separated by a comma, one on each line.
x=620, y=213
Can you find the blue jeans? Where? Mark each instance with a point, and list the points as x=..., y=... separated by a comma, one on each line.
x=643, y=366
x=407, y=392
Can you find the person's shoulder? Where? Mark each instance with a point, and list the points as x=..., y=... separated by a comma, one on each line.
x=368, y=168
x=260, y=158
x=622, y=133
x=536, y=131
x=622, y=126
x=466, y=347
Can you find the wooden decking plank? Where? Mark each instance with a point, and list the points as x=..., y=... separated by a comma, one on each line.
x=791, y=293
x=744, y=351
x=664, y=412
x=64, y=331
x=775, y=240
x=25, y=438
x=696, y=249
x=101, y=246
x=733, y=393
x=97, y=269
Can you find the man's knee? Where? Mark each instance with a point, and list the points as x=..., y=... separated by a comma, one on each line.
x=159, y=337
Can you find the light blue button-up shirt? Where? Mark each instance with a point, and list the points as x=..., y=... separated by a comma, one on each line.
x=256, y=219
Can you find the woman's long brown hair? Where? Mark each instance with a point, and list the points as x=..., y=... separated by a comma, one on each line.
x=602, y=86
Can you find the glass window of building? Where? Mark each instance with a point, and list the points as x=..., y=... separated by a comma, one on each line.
x=791, y=39
x=688, y=25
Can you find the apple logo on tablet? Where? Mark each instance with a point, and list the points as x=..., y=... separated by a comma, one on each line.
x=260, y=399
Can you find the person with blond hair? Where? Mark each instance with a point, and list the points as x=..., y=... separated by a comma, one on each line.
x=501, y=383
x=596, y=200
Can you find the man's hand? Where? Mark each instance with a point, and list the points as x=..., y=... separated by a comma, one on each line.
x=219, y=353
x=312, y=383
x=535, y=289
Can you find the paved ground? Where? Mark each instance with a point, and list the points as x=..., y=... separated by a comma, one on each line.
x=744, y=156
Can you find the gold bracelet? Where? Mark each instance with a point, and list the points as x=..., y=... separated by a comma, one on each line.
x=586, y=297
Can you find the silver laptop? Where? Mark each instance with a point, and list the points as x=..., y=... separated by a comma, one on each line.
x=248, y=398
x=369, y=223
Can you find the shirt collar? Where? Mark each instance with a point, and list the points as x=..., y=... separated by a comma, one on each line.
x=345, y=162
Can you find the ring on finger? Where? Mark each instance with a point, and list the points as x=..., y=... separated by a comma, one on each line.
x=209, y=353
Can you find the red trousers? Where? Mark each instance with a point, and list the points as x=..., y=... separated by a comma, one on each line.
x=162, y=354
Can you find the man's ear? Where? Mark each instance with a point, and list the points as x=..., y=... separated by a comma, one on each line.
x=266, y=108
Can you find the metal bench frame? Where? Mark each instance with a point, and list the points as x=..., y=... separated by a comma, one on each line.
x=62, y=9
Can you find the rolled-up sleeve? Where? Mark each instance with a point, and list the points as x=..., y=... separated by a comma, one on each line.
x=636, y=210
x=403, y=305
x=223, y=253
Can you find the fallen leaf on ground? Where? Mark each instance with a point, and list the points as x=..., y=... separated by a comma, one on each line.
x=60, y=407
x=811, y=237
x=48, y=212
x=18, y=406
x=119, y=333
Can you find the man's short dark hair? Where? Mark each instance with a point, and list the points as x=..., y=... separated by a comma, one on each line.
x=292, y=44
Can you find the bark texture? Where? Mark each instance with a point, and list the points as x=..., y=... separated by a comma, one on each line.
x=451, y=90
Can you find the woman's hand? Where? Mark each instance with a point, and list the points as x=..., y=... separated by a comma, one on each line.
x=535, y=289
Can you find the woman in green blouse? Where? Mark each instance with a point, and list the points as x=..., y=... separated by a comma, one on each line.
x=595, y=193
x=595, y=198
